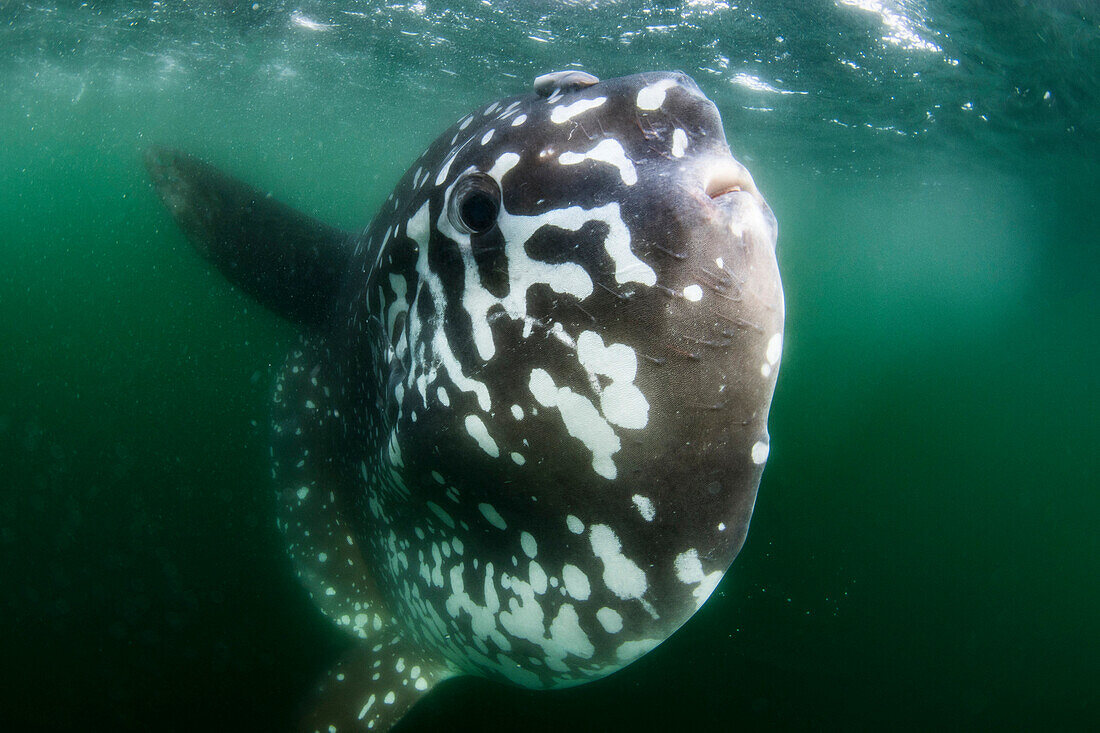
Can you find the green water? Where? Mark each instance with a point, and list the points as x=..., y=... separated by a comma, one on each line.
x=924, y=550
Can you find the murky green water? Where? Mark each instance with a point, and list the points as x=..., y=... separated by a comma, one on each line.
x=924, y=550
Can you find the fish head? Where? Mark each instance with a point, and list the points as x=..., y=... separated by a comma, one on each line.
x=583, y=323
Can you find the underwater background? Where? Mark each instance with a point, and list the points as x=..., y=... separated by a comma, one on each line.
x=925, y=550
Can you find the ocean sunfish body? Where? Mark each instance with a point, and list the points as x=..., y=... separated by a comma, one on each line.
x=523, y=432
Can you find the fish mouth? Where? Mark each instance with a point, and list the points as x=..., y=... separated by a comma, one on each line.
x=727, y=177
x=737, y=202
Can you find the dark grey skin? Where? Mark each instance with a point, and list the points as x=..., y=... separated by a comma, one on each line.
x=523, y=435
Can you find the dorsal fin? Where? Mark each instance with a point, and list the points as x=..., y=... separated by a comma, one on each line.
x=289, y=262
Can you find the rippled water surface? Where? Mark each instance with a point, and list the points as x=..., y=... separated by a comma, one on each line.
x=924, y=550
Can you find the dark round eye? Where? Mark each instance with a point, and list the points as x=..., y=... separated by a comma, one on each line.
x=475, y=204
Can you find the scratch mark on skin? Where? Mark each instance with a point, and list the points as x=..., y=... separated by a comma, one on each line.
x=618, y=295
x=718, y=293
x=741, y=322
x=724, y=281
x=669, y=252
x=713, y=408
x=685, y=354
x=651, y=133
x=707, y=342
x=581, y=308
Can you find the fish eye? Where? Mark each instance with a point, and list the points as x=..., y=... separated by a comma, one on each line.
x=475, y=204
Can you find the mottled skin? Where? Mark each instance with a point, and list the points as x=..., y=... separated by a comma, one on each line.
x=528, y=453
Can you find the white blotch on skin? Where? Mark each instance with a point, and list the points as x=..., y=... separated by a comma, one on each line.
x=610, y=619
x=445, y=398
x=518, y=458
x=445, y=170
x=483, y=620
x=760, y=452
x=487, y=136
x=567, y=278
x=582, y=420
x=517, y=412
x=519, y=120
x=442, y=514
x=419, y=230
x=608, y=151
x=765, y=370
x=477, y=430
x=492, y=516
x=679, y=143
x=721, y=526
x=527, y=542
x=631, y=650
x=526, y=619
x=621, y=402
x=565, y=112
x=653, y=96
x=620, y=574
x=537, y=576
x=558, y=331
x=576, y=526
x=525, y=272
x=645, y=507
x=400, y=304
x=775, y=348
x=694, y=293
x=690, y=572
x=576, y=582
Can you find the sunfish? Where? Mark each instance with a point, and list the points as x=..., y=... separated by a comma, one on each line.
x=522, y=434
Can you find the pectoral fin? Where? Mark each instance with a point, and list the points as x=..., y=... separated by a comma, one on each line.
x=289, y=262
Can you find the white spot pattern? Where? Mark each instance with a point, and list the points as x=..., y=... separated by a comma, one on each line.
x=679, y=143
x=565, y=112
x=653, y=95
x=491, y=515
x=477, y=430
x=645, y=507
x=610, y=619
x=608, y=151
x=582, y=420
x=622, y=403
x=620, y=574
x=690, y=572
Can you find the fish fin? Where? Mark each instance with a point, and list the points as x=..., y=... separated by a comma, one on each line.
x=320, y=543
x=289, y=262
x=371, y=687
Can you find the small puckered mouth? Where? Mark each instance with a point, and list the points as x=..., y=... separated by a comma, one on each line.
x=728, y=176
